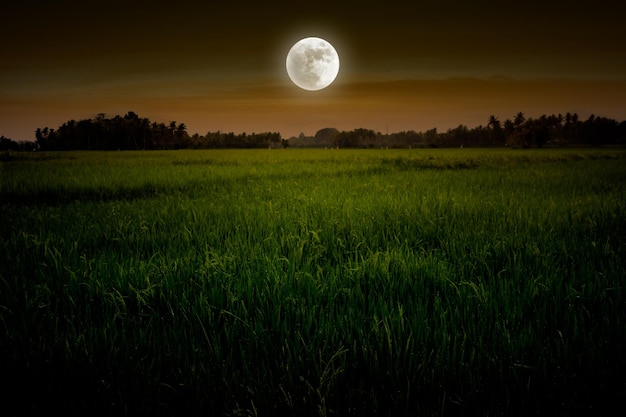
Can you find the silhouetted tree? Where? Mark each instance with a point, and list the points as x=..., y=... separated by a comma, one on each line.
x=329, y=136
x=7, y=144
x=497, y=134
x=358, y=138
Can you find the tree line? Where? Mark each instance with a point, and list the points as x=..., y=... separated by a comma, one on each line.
x=131, y=132
x=518, y=132
x=104, y=133
x=8, y=144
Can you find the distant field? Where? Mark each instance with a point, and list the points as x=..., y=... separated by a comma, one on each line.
x=313, y=282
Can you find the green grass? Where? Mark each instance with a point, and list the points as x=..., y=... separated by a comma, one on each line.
x=313, y=282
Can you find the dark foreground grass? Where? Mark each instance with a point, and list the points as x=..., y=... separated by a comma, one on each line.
x=306, y=283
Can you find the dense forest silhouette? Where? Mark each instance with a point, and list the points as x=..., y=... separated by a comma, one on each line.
x=131, y=132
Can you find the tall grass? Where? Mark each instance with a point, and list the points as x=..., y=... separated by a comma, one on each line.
x=313, y=282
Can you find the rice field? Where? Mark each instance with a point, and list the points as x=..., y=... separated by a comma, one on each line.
x=312, y=282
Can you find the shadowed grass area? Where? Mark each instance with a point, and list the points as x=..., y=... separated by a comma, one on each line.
x=312, y=282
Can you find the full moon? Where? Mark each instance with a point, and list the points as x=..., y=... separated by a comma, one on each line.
x=312, y=64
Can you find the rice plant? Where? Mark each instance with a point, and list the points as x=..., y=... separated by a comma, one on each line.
x=313, y=282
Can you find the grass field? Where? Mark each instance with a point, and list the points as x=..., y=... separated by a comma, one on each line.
x=313, y=282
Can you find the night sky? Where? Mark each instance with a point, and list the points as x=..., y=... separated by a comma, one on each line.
x=405, y=65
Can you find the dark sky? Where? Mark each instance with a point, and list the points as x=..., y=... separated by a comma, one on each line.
x=221, y=65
